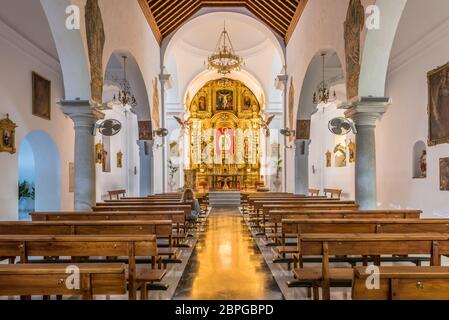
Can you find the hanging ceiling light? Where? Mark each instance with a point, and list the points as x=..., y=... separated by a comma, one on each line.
x=124, y=96
x=224, y=59
x=323, y=94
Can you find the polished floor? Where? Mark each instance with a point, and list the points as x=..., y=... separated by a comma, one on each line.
x=227, y=264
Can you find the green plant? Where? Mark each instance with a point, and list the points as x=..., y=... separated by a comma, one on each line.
x=26, y=190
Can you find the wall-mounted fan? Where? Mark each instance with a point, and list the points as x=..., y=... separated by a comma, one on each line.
x=162, y=132
x=288, y=132
x=342, y=126
x=109, y=127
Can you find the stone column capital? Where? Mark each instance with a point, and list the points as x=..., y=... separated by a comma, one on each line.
x=82, y=112
x=365, y=111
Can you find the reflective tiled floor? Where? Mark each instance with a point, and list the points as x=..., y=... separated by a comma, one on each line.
x=226, y=263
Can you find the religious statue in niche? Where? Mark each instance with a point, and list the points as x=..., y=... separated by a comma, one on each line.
x=328, y=159
x=354, y=24
x=95, y=44
x=119, y=159
x=438, y=81
x=225, y=100
x=340, y=155
x=423, y=164
x=99, y=153
x=104, y=162
x=444, y=174
x=202, y=104
x=351, y=147
x=225, y=144
x=7, y=135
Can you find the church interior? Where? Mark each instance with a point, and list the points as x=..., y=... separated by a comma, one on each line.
x=224, y=150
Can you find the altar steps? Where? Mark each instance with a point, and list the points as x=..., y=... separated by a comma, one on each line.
x=224, y=198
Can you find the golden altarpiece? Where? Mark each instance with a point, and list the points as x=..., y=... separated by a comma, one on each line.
x=224, y=137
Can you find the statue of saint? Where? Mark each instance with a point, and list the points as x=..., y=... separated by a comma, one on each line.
x=423, y=164
x=225, y=141
x=354, y=24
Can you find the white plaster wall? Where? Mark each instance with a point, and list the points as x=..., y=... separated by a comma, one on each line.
x=421, y=45
x=18, y=58
x=125, y=141
x=321, y=27
x=321, y=177
x=127, y=29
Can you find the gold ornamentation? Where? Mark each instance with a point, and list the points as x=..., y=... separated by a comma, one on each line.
x=8, y=135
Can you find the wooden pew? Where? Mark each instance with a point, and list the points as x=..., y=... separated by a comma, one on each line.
x=314, y=192
x=161, y=228
x=333, y=193
x=403, y=283
x=130, y=246
x=326, y=245
x=178, y=218
x=116, y=193
x=293, y=227
x=50, y=279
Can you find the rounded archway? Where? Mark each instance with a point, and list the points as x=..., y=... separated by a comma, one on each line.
x=40, y=173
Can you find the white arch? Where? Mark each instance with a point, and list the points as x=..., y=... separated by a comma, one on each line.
x=137, y=82
x=167, y=47
x=71, y=50
x=47, y=166
x=208, y=75
x=377, y=49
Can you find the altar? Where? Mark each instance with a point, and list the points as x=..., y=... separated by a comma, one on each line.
x=225, y=137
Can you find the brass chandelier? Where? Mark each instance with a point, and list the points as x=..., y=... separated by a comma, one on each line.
x=224, y=59
x=323, y=94
x=125, y=97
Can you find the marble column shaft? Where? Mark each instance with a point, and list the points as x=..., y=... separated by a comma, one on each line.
x=146, y=167
x=302, y=166
x=365, y=112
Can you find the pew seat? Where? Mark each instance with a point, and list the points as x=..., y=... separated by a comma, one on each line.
x=50, y=279
x=403, y=283
x=147, y=277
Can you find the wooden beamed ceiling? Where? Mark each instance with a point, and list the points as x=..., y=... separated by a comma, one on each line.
x=165, y=16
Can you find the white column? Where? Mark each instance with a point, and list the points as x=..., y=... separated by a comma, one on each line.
x=146, y=167
x=365, y=111
x=84, y=117
x=302, y=166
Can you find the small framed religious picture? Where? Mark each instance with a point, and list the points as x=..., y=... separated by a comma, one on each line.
x=99, y=154
x=7, y=135
x=444, y=174
x=145, y=130
x=119, y=159
x=303, y=129
x=71, y=177
x=41, y=97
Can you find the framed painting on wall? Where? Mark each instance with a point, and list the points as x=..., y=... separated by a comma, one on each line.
x=145, y=130
x=41, y=97
x=303, y=129
x=7, y=135
x=438, y=83
x=444, y=174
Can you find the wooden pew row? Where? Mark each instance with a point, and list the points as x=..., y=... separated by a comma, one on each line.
x=326, y=245
x=297, y=227
x=301, y=207
x=130, y=246
x=177, y=217
x=161, y=228
x=50, y=279
x=403, y=283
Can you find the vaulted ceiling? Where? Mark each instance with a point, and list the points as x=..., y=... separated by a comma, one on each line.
x=165, y=16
